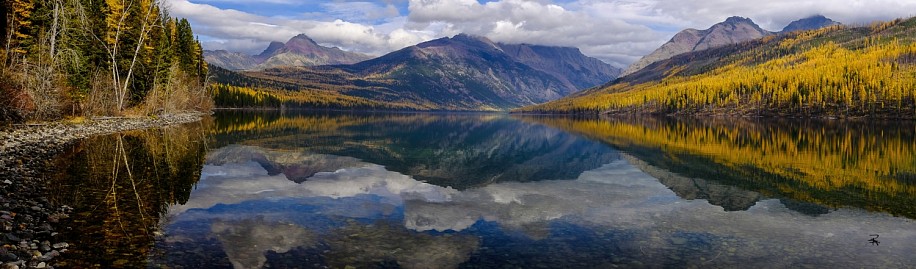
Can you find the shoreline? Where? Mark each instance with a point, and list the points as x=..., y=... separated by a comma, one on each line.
x=719, y=115
x=28, y=221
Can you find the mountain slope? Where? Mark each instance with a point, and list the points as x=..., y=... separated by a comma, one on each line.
x=564, y=63
x=733, y=30
x=229, y=60
x=298, y=51
x=459, y=73
x=810, y=23
x=831, y=72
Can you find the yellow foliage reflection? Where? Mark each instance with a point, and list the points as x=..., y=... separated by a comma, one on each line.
x=869, y=162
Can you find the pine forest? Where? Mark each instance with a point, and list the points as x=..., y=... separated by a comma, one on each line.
x=98, y=58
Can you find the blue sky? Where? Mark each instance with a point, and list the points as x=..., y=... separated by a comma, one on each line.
x=615, y=31
x=355, y=11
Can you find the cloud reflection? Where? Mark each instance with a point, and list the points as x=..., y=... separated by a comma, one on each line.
x=616, y=196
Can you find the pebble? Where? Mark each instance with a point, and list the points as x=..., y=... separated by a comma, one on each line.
x=10, y=265
x=7, y=182
x=8, y=257
x=48, y=256
x=11, y=238
x=41, y=265
x=60, y=245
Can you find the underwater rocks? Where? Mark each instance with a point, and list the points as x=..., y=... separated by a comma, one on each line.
x=28, y=221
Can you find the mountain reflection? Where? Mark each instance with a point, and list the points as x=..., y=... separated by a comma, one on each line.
x=460, y=151
x=828, y=164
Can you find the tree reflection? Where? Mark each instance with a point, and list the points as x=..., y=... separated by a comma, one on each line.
x=119, y=186
x=866, y=165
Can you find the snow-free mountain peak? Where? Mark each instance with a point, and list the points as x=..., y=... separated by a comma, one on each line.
x=300, y=50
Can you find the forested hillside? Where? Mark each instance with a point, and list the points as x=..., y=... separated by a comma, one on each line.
x=316, y=90
x=832, y=72
x=83, y=57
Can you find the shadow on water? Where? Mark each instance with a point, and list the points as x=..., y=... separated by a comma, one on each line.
x=119, y=186
x=733, y=163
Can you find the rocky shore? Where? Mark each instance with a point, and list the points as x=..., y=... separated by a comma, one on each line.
x=27, y=220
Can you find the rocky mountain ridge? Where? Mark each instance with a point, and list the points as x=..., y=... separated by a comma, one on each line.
x=810, y=23
x=732, y=31
x=298, y=51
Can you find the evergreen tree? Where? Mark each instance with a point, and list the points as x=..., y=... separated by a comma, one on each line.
x=99, y=55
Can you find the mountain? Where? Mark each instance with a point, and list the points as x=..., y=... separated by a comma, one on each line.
x=839, y=72
x=810, y=23
x=229, y=60
x=563, y=62
x=732, y=30
x=272, y=50
x=298, y=51
x=459, y=73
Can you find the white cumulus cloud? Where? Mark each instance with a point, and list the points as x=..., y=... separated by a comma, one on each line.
x=616, y=31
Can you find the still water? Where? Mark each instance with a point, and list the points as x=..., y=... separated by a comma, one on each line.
x=316, y=190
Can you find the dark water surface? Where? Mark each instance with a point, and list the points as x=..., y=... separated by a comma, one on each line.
x=315, y=190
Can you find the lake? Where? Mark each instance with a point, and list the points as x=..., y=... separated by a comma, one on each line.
x=402, y=190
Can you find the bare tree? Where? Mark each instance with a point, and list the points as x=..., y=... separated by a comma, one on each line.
x=145, y=29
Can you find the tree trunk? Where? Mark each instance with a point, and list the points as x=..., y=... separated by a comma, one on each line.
x=54, y=31
x=115, y=71
x=5, y=24
x=8, y=18
x=143, y=33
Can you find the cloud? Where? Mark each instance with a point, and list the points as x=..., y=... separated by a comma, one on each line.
x=250, y=33
x=517, y=21
x=616, y=31
x=360, y=11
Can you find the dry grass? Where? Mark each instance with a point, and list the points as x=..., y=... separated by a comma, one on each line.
x=75, y=120
x=14, y=102
x=36, y=92
x=102, y=99
x=180, y=93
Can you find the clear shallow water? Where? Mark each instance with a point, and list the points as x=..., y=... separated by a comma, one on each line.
x=494, y=191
